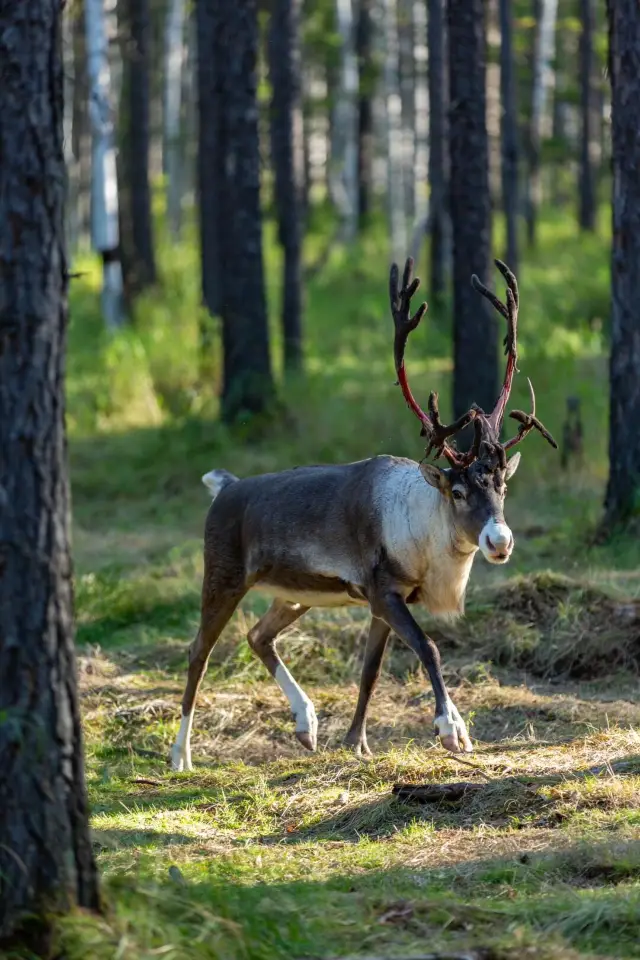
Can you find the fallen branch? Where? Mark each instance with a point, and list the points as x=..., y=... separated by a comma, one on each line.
x=434, y=792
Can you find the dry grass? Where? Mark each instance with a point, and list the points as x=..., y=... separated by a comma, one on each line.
x=555, y=817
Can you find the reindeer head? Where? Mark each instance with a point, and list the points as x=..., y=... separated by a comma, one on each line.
x=474, y=484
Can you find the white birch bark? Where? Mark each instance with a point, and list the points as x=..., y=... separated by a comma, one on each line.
x=543, y=76
x=174, y=65
x=343, y=179
x=420, y=170
x=104, y=182
x=393, y=131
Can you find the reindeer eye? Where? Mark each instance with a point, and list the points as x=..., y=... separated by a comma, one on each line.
x=458, y=495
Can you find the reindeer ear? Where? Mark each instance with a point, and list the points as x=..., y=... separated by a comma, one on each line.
x=512, y=466
x=435, y=476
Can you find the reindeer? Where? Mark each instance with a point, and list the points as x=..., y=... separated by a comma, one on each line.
x=386, y=533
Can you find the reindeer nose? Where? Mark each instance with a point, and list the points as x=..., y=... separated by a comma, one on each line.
x=496, y=541
x=502, y=546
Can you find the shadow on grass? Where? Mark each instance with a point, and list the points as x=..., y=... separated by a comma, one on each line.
x=505, y=909
x=508, y=802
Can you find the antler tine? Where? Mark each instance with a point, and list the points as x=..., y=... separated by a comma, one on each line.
x=528, y=422
x=404, y=323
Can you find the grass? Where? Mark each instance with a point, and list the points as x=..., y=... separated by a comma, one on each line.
x=265, y=851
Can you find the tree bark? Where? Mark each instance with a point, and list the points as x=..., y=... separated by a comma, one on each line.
x=175, y=55
x=408, y=74
x=509, y=131
x=344, y=157
x=438, y=146
x=46, y=861
x=137, y=221
x=288, y=163
x=475, y=331
x=542, y=84
x=393, y=130
x=105, y=226
x=230, y=181
x=623, y=490
x=587, y=210
x=366, y=82
x=81, y=131
x=210, y=168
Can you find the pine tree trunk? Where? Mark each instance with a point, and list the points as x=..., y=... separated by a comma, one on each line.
x=81, y=131
x=136, y=219
x=210, y=170
x=509, y=131
x=72, y=206
x=475, y=333
x=366, y=82
x=105, y=226
x=234, y=163
x=623, y=491
x=587, y=211
x=438, y=146
x=288, y=163
x=407, y=65
x=46, y=860
x=542, y=85
x=174, y=54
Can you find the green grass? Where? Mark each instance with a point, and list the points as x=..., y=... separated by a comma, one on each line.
x=267, y=852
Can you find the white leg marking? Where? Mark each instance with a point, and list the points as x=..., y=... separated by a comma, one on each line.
x=452, y=730
x=301, y=706
x=181, y=750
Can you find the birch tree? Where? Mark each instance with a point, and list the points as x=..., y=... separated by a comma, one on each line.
x=105, y=235
x=407, y=76
x=543, y=79
x=587, y=201
x=344, y=160
x=174, y=57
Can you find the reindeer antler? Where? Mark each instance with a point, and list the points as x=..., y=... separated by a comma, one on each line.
x=487, y=428
x=432, y=427
x=509, y=310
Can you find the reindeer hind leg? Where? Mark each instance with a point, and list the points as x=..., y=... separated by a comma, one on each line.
x=218, y=606
x=262, y=640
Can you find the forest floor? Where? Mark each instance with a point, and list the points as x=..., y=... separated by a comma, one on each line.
x=265, y=851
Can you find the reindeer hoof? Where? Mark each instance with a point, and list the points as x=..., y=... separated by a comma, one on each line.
x=452, y=731
x=179, y=760
x=358, y=745
x=307, y=739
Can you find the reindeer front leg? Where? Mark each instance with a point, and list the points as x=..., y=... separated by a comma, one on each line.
x=373, y=654
x=388, y=604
